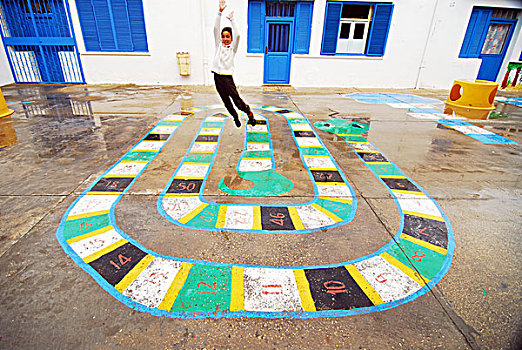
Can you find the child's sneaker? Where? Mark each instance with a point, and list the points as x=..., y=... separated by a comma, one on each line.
x=251, y=119
x=238, y=122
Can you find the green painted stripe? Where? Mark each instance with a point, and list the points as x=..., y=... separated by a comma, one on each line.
x=169, y=123
x=207, y=288
x=212, y=125
x=78, y=227
x=198, y=158
x=427, y=261
x=145, y=156
x=258, y=154
x=206, y=218
x=342, y=210
x=384, y=169
x=354, y=138
x=257, y=137
x=314, y=151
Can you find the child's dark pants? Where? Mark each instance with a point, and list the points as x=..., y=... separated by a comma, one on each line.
x=227, y=90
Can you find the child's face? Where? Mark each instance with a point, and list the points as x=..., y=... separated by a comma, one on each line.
x=226, y=38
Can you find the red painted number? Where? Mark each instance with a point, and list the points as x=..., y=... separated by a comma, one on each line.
x=123, y=260
x=209, y=286
x=272, y=289
x=421, y=231
x=417, y=256
x=207, y=216
x=277, y=218
x=183, y=186
x=85, y=225
x=335, y=287
x=112, y=184
x=381, y=278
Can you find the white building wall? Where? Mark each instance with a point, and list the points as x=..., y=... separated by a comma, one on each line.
x=5, y=70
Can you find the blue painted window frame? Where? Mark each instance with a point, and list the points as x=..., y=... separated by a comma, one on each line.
x=113, y=25
x=302, y=26
x=476, y=32
x=372, y=49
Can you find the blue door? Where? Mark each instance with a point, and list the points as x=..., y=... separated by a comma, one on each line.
x=278, y=51
x=39, y=41
x=494, y=48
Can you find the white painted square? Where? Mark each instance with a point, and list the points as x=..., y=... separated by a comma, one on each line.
x=401, y=105
x=258, y=146
x=257, y=164
x=417, y=203
x=92, y=203
x=340, y=191
x=192, y=170
x=174, y=117
x=94, y=244
x=149, y=146
x=313, y=218
x=293, y=115
x=471, y=129
x=239, y=217
x=387, y=280
x=215, y=119
x=152, y=284
x=257, y=128
x=319, y=162
x=178, y=207
x=308, y=142
x=209, y=131
x=271, y=290
x=160, y=129
x=363, y=146
x=127, y=168
x=208, y=147
x=425, y=116
x=301, y=127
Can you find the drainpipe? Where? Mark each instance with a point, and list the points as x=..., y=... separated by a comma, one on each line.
x=432, y=25
x=204, y=42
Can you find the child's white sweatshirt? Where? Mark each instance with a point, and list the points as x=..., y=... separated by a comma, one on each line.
x=224, y=59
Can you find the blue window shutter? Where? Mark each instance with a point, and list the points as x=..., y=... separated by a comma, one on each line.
x=303, y=26
x=379, y=29
x=520, y=58
x=104, y=24
x=137, y=25
x=256, y=26
x=120, y=19
x=477, y=29
x=331, y=28
x=88, y=24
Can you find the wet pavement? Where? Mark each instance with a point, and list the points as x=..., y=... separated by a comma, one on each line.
x=62, y=138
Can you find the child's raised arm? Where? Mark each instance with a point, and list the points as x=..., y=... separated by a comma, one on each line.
x=217, y=24
x=237, y=35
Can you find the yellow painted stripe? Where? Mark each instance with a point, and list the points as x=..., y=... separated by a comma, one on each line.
x=192, y=151
x=100, y=253
x=316, y=156
x=327, y=212
x=90, y=234
x=365, y=142
x=425, y=244
x=406, y=269
x=134, y=161
x=237, y=297
x=377, y=162
x=337, y=199
x=365, y=286
x=109, y=174
x=324, y=169
x=87, y=215
x=307, y=302
x=258, y=143
x=175, y=287
x=408, y=192
x=152, y=141
x=331, y=183
x=296, y=220
x=349, y=135
x=422, y=215
x=133, y=274
x=144, y=150
x=195, y=163
x=102, y=193
x=393, y=177
x=249, y=158
x=189, y=177
x=220, y=223
x=181, y=194
x=366, y=151
x=257, y=219
x=312, y=146
x=193, y=213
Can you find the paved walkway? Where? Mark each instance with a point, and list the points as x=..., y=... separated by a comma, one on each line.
x=346, y=218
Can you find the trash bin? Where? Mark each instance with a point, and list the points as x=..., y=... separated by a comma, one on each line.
x=183, y=63
x=472, y=98
x=4, y=111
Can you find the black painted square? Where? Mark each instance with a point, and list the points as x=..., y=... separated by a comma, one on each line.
x=304, y=134
x=372, y=157
x=207, y=138
x=112, y=184
x=327, y=176
x=261, y=122
x=114, y=265
x=431, y=231
x=276, y=218
x=283, y=111
x=335, y=289
x=157, y=137
x=400, y=184
x=185, y=186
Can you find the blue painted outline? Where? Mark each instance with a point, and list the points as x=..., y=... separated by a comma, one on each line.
x=232, y=314
x=314, y=200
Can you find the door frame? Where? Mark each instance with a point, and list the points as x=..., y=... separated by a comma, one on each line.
x=279, y=20
x=513, y=23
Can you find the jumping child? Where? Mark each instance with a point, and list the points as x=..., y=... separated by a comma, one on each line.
x=223, y=67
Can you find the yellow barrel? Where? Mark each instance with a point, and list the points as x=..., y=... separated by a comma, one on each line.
x=473, y=94
x=4, y=111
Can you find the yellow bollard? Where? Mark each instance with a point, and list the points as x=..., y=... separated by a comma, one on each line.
x=472, y=98
x=4, y=111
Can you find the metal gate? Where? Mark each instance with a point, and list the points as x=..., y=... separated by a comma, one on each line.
x=39, y=41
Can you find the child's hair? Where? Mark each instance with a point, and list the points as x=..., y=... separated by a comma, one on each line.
x=227, y=29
